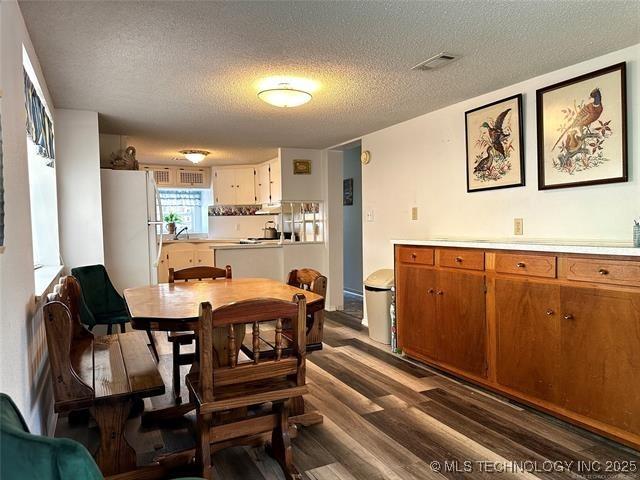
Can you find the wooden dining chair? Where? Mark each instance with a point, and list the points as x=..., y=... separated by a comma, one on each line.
x=178, y=339
x=314, y=281
x=224, y=383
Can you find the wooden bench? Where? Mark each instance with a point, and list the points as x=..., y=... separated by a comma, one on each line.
x=105, y=374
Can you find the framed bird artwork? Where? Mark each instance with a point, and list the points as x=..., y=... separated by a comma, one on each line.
x=495, y=146
x=582, y=130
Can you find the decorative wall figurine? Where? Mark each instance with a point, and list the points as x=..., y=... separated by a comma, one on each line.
x=495, y=147
x=582, y=138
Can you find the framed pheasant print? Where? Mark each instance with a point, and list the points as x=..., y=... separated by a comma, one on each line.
x=495, y=147
x=582, y=130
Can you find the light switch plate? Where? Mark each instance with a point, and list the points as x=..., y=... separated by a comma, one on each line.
x=369, y=215
x=518, y=226
x=414, y=213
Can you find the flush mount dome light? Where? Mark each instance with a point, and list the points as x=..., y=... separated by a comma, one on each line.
x=284, y=96
x=194, y=156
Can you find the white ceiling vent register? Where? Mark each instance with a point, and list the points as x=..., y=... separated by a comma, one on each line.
x=437, y=61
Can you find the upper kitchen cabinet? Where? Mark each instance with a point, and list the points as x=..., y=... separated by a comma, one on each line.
x=188, y=177
x=248, y=184
x=234, y=186
x=268, y=182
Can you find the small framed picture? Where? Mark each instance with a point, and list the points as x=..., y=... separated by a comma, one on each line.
x=347, y=191
x=302, y=167
x=495, y=146
x=582, y=130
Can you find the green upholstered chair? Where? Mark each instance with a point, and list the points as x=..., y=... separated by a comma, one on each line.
x=23, y=455
x=27, y=456
x=101, y=302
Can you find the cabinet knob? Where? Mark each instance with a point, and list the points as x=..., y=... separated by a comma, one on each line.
x=431, y=291
x=439, y=292
x=550, y=312
x=520, y=265
x=603, y=271
x=568, y=316
x=414, y=256
x=458, y=259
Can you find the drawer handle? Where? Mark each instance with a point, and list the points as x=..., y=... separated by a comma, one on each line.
x=414, y=256
x=458, y=259
x=568, y=316
x=603, y=271
x=439, y=292
x=550, y=312
x=521, y=265
x=431, y=291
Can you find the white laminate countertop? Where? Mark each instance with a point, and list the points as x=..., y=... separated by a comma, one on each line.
x=543, y=245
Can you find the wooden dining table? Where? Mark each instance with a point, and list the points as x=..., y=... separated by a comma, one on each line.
x=175, y=307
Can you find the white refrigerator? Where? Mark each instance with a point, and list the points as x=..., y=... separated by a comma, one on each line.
x=132, y=227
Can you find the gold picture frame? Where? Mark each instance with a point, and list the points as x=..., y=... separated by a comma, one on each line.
x=302, y=167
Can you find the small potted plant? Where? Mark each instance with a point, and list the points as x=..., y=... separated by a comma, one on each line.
x=171, y=219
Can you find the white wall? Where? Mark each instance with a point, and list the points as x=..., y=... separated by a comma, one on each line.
x=301, y=187
x=79, y=191
x=421, y=163
x=241, y=226
x=23, y=364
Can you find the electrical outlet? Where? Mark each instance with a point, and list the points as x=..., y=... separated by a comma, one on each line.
x=237, y=227
x=414, y=213
x=518, y=226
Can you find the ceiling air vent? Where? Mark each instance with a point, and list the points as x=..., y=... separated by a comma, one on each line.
x=437, y=61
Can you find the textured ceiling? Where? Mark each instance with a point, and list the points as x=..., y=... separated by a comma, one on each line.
x=175, y=75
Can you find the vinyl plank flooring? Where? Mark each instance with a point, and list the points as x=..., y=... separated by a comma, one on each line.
x=385, y=418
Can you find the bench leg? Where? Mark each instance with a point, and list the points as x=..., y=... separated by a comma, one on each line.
x=203, y=447
x=176, y=372
x=114, y=455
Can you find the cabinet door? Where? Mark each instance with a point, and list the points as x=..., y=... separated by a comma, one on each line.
x=461, y=317
x=275, y=181
x=528, y=337
x=600, y=346
x=163, y=267
x=415, y=300
x=245, y=193
x=225, y=187
x=262, y=183
x=204, y=257
x=181, y=256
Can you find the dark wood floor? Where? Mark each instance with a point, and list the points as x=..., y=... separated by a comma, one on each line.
x=387, y=418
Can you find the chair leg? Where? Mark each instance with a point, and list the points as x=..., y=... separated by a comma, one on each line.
x=152, y=342
x=176, y=372
x=109, y=329
x=281, y=443
x=122, y=327
x=203, y=448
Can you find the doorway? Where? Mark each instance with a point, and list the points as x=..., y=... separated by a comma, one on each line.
x=352, y=232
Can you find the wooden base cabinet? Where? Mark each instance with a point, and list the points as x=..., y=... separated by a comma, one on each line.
x=526, y=325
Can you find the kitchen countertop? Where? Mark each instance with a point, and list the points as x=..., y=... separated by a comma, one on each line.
x=592, y=247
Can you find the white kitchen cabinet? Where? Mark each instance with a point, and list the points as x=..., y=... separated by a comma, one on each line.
x=163, y=176
x=193, y=177
x=263, y=180
x=234, y=186
x=184, y=254
x=204, y=256
x=275, y=180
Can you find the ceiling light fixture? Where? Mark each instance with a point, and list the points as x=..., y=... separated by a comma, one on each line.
x=283, y=95
x=194, y=156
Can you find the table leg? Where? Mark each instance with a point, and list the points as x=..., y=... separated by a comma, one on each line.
x=114, y=455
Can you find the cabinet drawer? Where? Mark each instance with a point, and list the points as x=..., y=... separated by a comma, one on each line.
x=532, y=265
x=459, y=258
x=422, y=256
x=604, y=271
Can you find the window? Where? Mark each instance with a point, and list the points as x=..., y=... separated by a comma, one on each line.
x=190, y=204
x=42, y=173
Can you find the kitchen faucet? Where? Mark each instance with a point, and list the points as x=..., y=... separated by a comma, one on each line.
x=175, y=237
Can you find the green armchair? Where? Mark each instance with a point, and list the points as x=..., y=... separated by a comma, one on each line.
x=23, y=455
x=101, y=303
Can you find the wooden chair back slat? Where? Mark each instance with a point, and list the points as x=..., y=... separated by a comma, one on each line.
x=199, y=273
x=278, y=339
x=227, y=319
